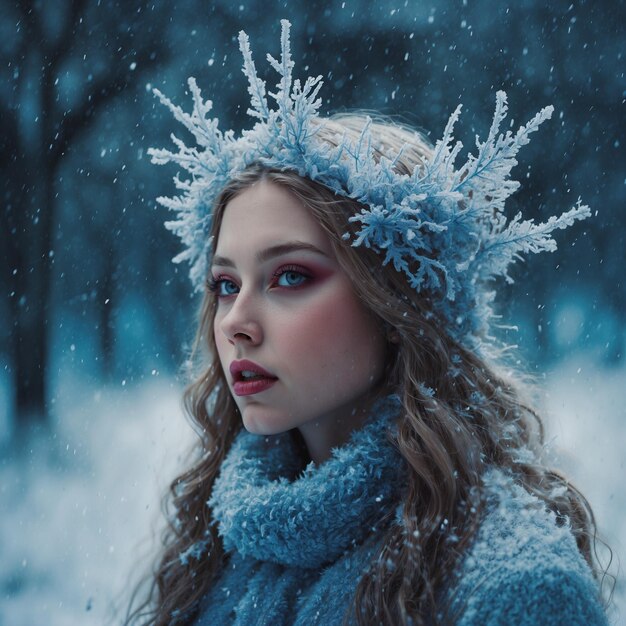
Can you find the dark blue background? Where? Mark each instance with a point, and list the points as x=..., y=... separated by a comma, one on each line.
x=85, y=275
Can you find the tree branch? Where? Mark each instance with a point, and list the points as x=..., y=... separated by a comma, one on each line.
x=8, y=129
x=59, y=52
x=27, y=9
x=106, y=88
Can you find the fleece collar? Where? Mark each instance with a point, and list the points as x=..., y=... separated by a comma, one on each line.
x=271, y=508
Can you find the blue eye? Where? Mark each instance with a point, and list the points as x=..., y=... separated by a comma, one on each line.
x=291, y=278
x=222, y=287
x=227, y=288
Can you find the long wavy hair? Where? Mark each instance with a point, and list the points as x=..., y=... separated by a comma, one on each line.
x=461, y=414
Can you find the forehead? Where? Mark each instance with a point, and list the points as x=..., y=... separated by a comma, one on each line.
x=263, y=215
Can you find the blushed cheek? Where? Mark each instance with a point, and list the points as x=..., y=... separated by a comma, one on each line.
x=216, y=339
x=305, y=335
x=334, y=335
x=220, y=341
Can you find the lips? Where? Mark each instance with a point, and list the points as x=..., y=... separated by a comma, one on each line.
x=250, y=378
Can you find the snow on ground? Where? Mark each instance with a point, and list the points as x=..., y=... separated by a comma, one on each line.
x=77, y=516
x=586, y=405
x=75, y=522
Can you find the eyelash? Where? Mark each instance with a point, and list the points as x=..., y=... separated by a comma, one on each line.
x=212, y=284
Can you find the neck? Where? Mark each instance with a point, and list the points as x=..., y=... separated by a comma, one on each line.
x=333, y=429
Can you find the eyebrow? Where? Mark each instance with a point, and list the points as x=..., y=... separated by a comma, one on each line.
x=273, y=251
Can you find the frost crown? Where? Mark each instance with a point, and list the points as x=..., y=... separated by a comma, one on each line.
x=443, y=227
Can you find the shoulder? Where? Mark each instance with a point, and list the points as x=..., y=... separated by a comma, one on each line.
x=522, y=568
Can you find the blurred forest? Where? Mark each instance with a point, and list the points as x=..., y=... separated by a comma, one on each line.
x=85, y=274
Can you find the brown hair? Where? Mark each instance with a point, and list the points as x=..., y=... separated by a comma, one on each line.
x=460, y=415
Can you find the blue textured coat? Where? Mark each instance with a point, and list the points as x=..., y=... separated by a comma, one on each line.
x=299, y=541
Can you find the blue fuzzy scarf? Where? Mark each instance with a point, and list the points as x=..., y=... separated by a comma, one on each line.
x=300, y=538
x=272, y=509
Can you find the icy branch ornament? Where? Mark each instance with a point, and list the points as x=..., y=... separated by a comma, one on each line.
x=444, y=228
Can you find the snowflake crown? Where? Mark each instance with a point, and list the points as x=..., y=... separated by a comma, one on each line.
x=443, y=227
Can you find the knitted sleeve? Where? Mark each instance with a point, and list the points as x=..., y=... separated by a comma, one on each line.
x=552, y=596
x=523, y=569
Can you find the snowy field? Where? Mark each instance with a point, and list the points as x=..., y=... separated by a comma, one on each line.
x=76, y=518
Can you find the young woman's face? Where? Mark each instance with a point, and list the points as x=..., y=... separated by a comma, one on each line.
x=287, y=310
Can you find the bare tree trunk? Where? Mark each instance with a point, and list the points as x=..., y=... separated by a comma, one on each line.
x=31, y=285
x=106, y=308
x=33, y=148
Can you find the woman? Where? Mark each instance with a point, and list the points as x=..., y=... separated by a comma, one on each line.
x=362, y=458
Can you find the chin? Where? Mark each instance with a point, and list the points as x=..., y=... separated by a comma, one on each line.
x=260, y=421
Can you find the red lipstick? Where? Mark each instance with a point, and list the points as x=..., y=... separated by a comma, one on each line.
x=249, y=378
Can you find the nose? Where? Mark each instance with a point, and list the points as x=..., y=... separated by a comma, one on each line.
x=241, y=322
